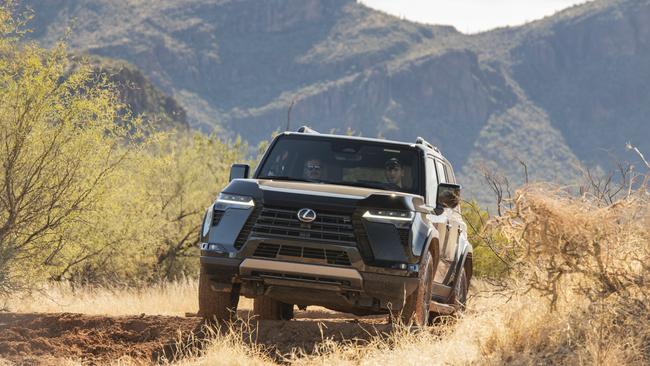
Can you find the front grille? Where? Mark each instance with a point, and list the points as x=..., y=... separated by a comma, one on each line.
x=284, y=223
x=329, y=256
x=267, y=250
x=363, y=244
x=404, y=236
x=216, y=217
x=248, y=226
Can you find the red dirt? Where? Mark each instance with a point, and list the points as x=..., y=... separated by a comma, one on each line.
x=46, y=339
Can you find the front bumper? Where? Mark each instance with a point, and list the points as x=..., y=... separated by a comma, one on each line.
x=338, y=288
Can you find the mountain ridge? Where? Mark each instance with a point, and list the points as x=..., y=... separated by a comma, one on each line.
x=578, y=81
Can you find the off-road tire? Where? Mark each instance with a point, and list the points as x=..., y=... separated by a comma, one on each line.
x=266, y=308
x=461, y=287
x=215, y=305
x=416, y=305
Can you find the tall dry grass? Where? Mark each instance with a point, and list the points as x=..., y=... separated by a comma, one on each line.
x=592, y=256
x=496, y=329
x=167, y=298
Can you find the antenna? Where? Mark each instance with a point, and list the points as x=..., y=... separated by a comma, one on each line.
x=305, y=129
x=424, y=142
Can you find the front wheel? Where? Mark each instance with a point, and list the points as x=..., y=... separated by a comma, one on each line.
x=215, y=305
x=416, y=305
x=461, y=288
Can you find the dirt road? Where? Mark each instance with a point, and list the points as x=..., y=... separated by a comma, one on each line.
x=46, y=339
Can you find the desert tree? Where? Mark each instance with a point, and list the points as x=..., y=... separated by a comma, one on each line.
x=181, y=174
x=58, y=146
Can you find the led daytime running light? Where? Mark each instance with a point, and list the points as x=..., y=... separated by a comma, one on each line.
x=235, y=200
x=388, y=215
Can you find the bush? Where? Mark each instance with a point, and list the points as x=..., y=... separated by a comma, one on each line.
x=151, y=217
x=49, y=119
x=85, y=195
x=490, y=258
x=590, y=260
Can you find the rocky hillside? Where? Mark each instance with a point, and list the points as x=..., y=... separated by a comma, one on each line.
x=567, y=90
x=142, y=97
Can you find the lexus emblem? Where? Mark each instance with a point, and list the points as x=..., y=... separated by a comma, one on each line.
x=306, y=215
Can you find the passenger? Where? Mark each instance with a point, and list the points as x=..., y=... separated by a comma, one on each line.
x=394, y=172
x=313, y=169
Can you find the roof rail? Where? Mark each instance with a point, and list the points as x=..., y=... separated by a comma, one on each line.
x=424, y=142
x=305, y=129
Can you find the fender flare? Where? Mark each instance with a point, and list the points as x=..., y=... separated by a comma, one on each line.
x=465, y=258
x=432, y=244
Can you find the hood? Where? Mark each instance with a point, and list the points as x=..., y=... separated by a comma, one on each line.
x=317, y=188
x=299, y=194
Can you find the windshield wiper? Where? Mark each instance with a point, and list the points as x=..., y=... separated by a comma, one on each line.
x=367, y=185
x=376, y=185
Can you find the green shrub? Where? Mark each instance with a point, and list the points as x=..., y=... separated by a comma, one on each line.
x=59, y=147
x=85, y=195
x=489, y=258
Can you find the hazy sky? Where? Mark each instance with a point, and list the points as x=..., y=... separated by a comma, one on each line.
x=471, y=16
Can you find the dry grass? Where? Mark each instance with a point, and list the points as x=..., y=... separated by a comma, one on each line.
x=496, y=330
x=589, y=258
x=170, y=298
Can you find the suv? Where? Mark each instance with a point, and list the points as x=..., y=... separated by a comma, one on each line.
x=358, y=225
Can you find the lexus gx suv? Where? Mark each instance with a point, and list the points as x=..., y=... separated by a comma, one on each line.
x=357, y=225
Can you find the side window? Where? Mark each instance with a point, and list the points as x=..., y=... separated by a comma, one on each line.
x=450, y=174
x=441, y=172
x=432, y=182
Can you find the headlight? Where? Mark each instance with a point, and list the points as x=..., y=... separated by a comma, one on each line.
x=207, y=223
x=226, y=200
x=388, y=216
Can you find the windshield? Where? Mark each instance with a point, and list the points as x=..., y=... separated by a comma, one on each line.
x=345, y=162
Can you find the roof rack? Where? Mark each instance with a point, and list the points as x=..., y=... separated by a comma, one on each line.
x=424, y=142
x=305, y=129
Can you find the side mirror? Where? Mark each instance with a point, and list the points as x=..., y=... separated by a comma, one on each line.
x=448, y=195
x=238, y=171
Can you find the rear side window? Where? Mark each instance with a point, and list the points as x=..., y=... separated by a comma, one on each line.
x=450, y=174
x=442, y=174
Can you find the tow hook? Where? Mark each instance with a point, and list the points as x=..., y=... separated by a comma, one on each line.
x=413, y=270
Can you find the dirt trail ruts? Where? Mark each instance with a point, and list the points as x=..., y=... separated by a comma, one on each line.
x=46, y=339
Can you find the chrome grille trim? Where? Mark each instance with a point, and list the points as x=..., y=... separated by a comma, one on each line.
x=284, y=223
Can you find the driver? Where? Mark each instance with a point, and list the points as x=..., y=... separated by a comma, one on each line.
x=313, y=169
x=279, y=167
x=394, y=172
